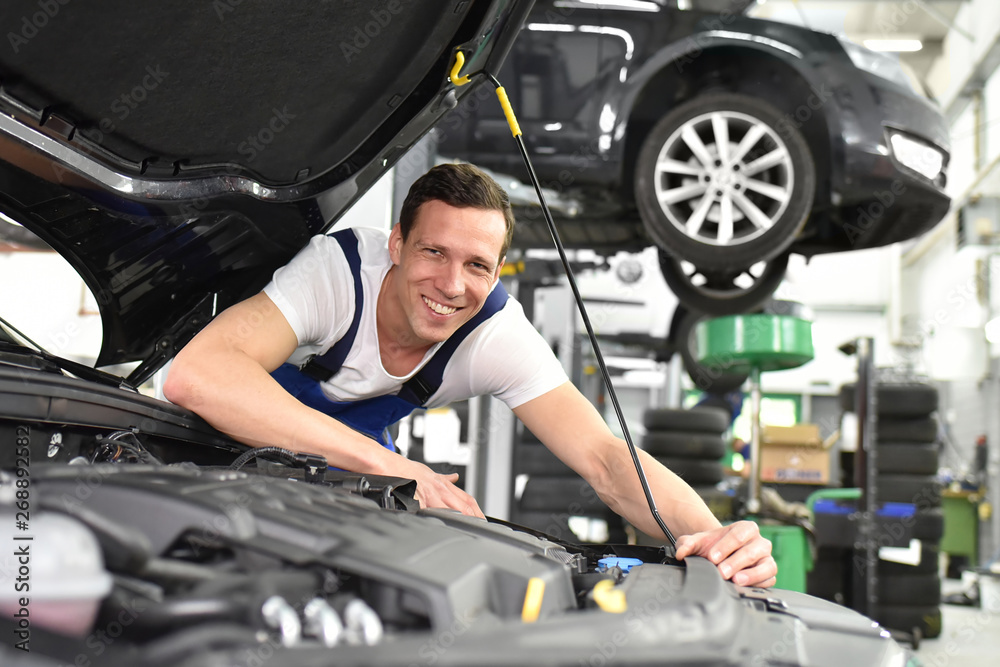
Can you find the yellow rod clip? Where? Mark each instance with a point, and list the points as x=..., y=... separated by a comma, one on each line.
x=533, y=600
x=456, y=68
x=508, y=111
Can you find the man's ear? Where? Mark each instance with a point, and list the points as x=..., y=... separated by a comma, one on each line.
x=395, y=244
x=496, y=274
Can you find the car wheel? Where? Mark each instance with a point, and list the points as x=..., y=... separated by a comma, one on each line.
x=929, y=557
x=920, y=490
x=907, y=430
x=693, y=471
x=906, y=618
x=532, y=459
x=701, y=420
x=908, y=458
x=719, y=185
x=896, y=400
x=714, y=379
x=723, y=293
x=684, y=445
x=916, y=590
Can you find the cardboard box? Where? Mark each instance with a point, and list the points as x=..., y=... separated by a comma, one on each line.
x=794, y=455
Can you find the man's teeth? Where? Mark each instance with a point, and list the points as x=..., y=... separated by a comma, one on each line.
x=439, y=308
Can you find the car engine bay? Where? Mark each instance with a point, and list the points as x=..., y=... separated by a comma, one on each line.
x=212, y=566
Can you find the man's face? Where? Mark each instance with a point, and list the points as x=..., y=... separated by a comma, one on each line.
x=446, y=268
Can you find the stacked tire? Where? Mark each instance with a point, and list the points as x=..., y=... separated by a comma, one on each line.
x=554, y=493
x=906, y=441
x=688, y=442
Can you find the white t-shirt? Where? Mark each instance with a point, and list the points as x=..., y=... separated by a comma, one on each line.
x=503, y=357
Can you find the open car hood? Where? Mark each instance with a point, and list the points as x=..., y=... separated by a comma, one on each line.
x=176, y=154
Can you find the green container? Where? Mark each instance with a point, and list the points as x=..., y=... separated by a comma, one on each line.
x=790, y=549
x=741, y=342
x=847, y=493
x=961, y=526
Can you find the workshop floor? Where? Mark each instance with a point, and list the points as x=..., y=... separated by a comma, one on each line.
x=970, y=636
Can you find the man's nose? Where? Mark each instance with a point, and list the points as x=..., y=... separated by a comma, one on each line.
x=451, y=282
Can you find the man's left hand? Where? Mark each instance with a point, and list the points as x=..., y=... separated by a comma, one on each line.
x=738, y=550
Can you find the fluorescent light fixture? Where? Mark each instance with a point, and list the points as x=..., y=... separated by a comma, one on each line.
x=894, y=45
x=993, y=330
x=551, y=27
x=631, y=5
x=917, y=155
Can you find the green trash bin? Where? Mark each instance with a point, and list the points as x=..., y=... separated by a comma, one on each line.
x=790, y=549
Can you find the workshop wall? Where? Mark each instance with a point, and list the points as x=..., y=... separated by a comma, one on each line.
x=981, y=18
x=58, y=312
x=949, y=284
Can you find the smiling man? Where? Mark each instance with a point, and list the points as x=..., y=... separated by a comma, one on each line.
x=358, y=330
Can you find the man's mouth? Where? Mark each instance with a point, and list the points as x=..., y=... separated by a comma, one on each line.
x=439, y=308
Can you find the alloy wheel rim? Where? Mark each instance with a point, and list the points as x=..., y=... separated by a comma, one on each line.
x=724, y=178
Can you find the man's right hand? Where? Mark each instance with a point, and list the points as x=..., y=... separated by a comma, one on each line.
x=435, y=490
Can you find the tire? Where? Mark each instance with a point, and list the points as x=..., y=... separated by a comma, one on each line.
x=779, y=215
x=928, y=565
x=700, y=420
x=907, y=430
x=896, y=400
x=826, y=578
x=683, y=445
x=899, y=617
x=915, y=590
x=534, y=459
x=722, y=294
x=562, y=495
x=920, y=490
x=711, y=379
x=910, y=458
x=928, y=525
x=694, y=471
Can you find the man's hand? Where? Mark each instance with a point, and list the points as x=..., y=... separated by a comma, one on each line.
x=434, y=490
x=738, y=550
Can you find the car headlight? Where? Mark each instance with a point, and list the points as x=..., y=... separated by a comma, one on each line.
x=878, y=64
x=919, y=156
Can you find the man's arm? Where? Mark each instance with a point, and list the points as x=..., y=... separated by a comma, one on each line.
x=572, y=428
x=223, y=375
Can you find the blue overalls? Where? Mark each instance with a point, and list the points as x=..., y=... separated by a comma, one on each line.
x=373, y=416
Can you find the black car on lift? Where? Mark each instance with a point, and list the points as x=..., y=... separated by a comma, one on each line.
x=727, y=141
x=155, y=540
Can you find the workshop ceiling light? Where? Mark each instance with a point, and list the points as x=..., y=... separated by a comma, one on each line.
x=894, y=45
x=917, y=155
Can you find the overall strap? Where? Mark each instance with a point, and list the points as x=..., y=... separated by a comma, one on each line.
x=428, y=379
x=323, y=367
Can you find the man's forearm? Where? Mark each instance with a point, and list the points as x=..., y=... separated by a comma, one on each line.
x=680, y=507
x=244, y=402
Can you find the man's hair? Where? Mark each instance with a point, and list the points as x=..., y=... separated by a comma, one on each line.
x=461, y=186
